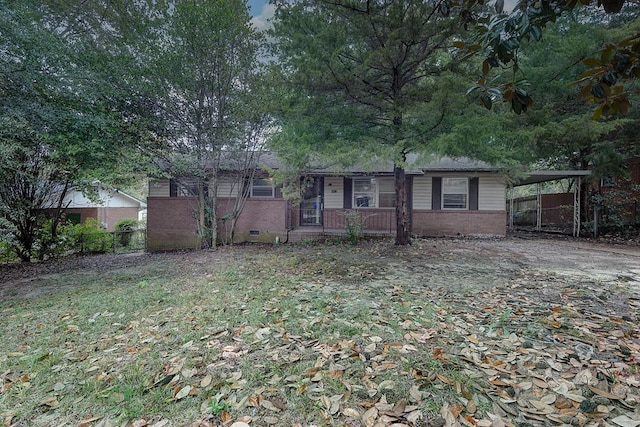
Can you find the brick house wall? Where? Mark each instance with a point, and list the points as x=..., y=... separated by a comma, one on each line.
x=262, y=220
x=452, y=223
x=171, y=223
x=83, y=212
x=111, y=216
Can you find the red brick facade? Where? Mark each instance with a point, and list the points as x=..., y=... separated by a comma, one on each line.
x=454, y=223
x=104, y=216
x=262, y=220
x=171, y=222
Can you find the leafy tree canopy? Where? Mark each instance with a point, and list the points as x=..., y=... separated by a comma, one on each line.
x=366, y=77
x=68, y=110
x=499, y=36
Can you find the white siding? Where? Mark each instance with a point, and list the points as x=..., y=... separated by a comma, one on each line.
x=491, y=193
x=106, y=198
x=116, y=200
x=333, y=192
x=422, y=192
x=227, y=189
x=75, y=199
x=491, y=190
x=159, y=188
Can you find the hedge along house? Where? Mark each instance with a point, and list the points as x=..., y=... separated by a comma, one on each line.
x=447, y=197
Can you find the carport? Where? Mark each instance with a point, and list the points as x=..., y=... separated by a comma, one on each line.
x=538, y=177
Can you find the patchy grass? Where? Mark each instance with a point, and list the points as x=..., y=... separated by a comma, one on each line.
x=441, y=332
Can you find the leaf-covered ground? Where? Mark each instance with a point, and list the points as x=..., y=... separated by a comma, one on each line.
x=446, y=332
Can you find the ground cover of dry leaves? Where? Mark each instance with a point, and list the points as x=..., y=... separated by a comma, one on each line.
x=447, y=332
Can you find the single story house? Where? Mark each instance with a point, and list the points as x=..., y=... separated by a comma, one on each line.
x=447, y=197
x=108, y=206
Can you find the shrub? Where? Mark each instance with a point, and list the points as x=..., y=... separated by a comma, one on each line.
x=354, y=223
x=89, y=237
x=125, y=229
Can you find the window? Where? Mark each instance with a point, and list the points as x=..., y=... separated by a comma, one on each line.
x=373, y=193
x=262, y=187
x=455, y=193
x=73, y=217
x=184, y=187
x=386, y=193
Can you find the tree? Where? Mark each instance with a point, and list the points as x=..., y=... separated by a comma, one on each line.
x=498, y=36
x=64, y=117
x=206, y=67
x=30, y=184
x=366, y=77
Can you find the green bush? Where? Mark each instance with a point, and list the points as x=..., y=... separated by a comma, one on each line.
x=49, y=246
x=89, y=237
x=354, y=225
x=125, y=229
x=7, y=252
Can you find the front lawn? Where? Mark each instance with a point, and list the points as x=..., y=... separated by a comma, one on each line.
x=446, y=331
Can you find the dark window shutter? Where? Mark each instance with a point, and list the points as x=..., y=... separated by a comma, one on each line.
x=436, y=193
x=348, y=193
x=173, y=188
x=277, y=192
x=473, y=193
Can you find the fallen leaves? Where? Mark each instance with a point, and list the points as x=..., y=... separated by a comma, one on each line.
x=383, y=345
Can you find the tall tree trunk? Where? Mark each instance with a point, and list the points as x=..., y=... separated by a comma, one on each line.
x=59, y=209
x=403, y=235
x=202, y=215
x=212, y=185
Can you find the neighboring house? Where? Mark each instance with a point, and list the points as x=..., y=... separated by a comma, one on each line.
x=108, y=206
x=446, y=198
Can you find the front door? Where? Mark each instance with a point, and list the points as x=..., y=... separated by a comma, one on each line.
x=311, y=206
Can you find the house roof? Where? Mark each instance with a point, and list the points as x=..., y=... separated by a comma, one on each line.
x=416, y=165
x=535, y=177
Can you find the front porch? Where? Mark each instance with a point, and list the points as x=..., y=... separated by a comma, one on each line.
x=333, y=223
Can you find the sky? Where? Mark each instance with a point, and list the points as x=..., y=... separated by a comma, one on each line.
x=261, y=11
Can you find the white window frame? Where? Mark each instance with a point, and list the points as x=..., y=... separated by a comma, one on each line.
x=449, y=182
x=263, y=188
x=373, y=192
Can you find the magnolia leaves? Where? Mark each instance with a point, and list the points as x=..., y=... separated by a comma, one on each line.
x=602, y=82
x=501, y=36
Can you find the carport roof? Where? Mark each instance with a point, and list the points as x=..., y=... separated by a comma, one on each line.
x=535, y=177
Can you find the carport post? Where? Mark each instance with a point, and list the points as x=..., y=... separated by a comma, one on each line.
x=539, y=207
x=511, y=209
x=576, y=206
